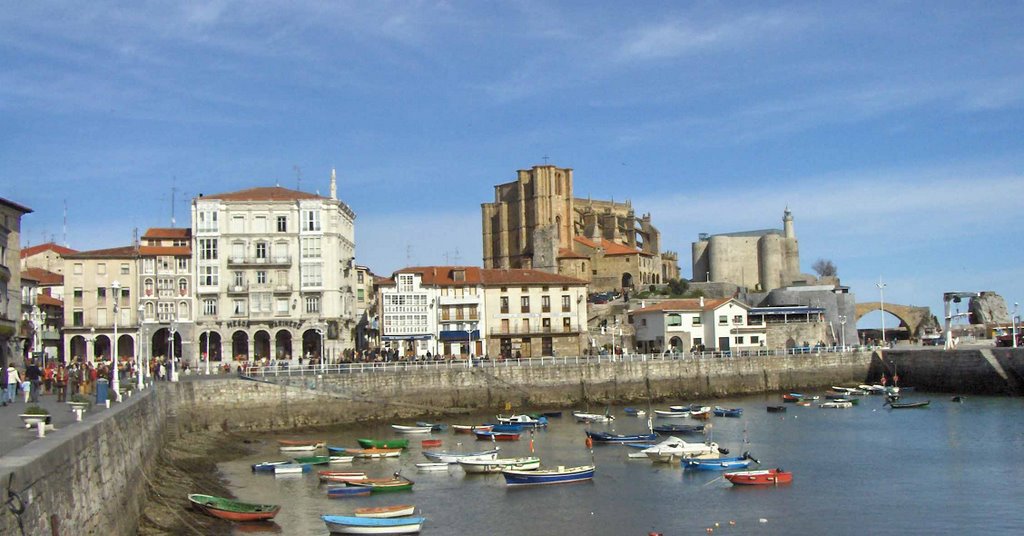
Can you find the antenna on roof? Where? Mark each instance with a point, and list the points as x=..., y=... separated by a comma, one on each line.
x=65, y=223
x=298, y=177
x=174, y=192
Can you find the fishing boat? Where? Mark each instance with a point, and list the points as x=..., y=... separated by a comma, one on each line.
x=633, y=412
x=456, y=457
x=718, y=464
x=339, y=476
x=702, y=413
x=668, y=429
x=300, y=448
x=313, y=460
x=430, y=443
x=386, y=512
x=959, y=399
x=592, y=417
x=792, y=397
x=370, y=525
x=559, y=475
x=232, y=510
x=291, y=469
x=383, y=443
x=605, y=437
x=776, y=409
x=764, y=477
x=875, y=389
x=496, y=436
x=376, y=453
x=526, y=421
x=469, y=428
x=727, y=412
x=432, y=466
x=840, y=404
x=300, y=443
x=434, y=426
x=674, y=448
x=497, y=465
x=671, y=414
x=908, y=405
x=398, y=483
x=340, y=459
x=505, y=428
x=402, y=429
x=344, y=492
x=335, y=450
x=268, y=467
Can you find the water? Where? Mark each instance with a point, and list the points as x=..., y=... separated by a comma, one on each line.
x=948, y=469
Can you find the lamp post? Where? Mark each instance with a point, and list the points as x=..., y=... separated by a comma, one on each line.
x=170, y=339
x=208, y=332
x=140, y=362
x=92, y=343
x=323, y=334
x=116, y=287
x=881, y=296
x=1013, y=322
x=842, y=330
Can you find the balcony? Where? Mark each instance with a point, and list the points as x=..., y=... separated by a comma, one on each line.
x=535, y=330
x=238, y=289
x=271, y=260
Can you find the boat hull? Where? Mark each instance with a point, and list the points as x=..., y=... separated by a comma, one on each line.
x=497, y=436
x=383, y=443
x=498, y=465
x=455, y=457
x=363, y=525
x=768, y=477
x=233, y=510
x=340, y=476
x=469, y=429
x=386, y=512
x=411, y=429
x=562, y=475
x=343, y=492
x=602, y=437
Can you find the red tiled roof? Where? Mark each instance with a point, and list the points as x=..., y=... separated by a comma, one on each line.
x=121, y=252
x=46, y=299
x=444, y=276
x=519, y=276
x=177, y=251
x=167, y=232
x=45, y=278
x=586, y=242
x=383, y=281
x=689, y=304
x=264, y=193
x=49, y=246
x=609, y=247
x=566, y=253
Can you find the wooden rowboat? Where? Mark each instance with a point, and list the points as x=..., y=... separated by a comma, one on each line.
x=402, y=429
x=341, y=459
x=376, y=453
x=399, y=483
x=430, y=443
x=469, y=428
x=383, y=443
x=497, y=436
x=340, y=476
x=364, y=525
x=300, y=442
x=313, y=460
x=233, y=510
x=561, y=475
x=344, y=492
x=386, y=512
x=432, y=466
x=766, y=477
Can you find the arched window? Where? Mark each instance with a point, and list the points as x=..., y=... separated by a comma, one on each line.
x=674, y=320
x=183, y=287
x=558, y=227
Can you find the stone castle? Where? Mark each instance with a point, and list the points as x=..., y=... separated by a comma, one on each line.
x=536, y=222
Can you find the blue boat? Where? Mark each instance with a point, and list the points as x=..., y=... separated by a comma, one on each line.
x=633, y=412
x=341, y=492
x=434, y=426
x=719, y=464
x=268, y=467
x=506, y=427
x=605, y=437
x=672, y=429
x=373, y=525
x=728, y=412
x=561, y=475
x=336, y=450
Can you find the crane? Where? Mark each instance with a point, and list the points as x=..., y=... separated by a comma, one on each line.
x=947, y=299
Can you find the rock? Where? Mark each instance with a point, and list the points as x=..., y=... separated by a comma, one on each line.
x=989, y=308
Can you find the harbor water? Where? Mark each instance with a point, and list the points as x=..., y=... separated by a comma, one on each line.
x=950, y=468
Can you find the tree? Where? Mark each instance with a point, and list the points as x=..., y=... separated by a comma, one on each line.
x=825, y=268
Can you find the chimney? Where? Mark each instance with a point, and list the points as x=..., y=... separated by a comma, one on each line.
x=334, y=185
x=702, y=302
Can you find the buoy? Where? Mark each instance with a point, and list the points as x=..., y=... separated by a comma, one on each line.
x=716, y=524
x=762, y=520
x=590, y=442
x=732, y=522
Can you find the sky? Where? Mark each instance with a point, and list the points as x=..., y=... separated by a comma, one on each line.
x=892, y=130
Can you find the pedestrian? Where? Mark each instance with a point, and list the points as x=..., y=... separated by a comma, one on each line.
x=74, y=376
x=3, y=385
x=60, y=380
x=35, y=378
x=48, y=376
x=13, y=379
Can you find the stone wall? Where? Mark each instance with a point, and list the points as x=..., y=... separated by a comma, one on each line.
x=990, y=371
x=89, y=478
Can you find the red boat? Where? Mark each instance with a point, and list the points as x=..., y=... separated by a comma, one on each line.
x=469, y=429
x=497, y=436
x=792, y=397
x=431, y=443
x=766, y=477
x=232, y=510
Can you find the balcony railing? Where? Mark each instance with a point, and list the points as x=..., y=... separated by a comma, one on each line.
x=535, y=330
x=270, y=260
x=238, y=289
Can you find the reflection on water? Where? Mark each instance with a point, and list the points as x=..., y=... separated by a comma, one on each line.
x=948, y=469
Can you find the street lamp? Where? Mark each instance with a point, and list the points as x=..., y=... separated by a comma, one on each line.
x=170, y=340
x=1013, y=322
x=881, y=294
x=139, y=361
x=208, y=332
x=842, y=332
x=115, y=286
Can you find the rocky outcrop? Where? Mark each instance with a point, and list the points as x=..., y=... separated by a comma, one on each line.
x=989, y=308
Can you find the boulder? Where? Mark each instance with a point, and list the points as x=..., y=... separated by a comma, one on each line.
x=989, y=308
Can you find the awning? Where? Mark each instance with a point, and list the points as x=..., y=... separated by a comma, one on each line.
x=460, y=335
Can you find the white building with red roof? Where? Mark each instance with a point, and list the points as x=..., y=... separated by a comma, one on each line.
x=694, y=325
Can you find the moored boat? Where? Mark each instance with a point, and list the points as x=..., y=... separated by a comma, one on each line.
x=434, y=426
x=496, y=465
x=559, y=475
x=291, y=445
x=503, y=428
x=633, y=412
x=469, y=428
x=335, y=450
x=496, y=436
x=398, y=483
x=386, y=512
x=268, y=467
x=340, y=459
x=792, y=397
x=313, y=460
x=718, y=464
x=376, y=453
x=456, y=457
x=605, y=437
x=776, y=409
x=340, y=476
x=383, y=443
x=728, y=412
x=669, y=429
x=671, y=414
x=370, y=525
x=592, y=417
x=403, y=429
x=233, y=510
x=764, y=477
x=841, y=404
x=430, y=443
x=291, y=469
x=702, y=412
x=432, y=466
x=908, y=405
x=674, y=448
x=344, y=492
x=523, y=420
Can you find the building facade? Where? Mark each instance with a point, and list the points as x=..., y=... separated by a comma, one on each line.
x=275, y=274
x=11, y=345
x=367, y=314
x=696, y=325
x=48, y=256
x=166, y=298
x=536, y=223
x=530, y=313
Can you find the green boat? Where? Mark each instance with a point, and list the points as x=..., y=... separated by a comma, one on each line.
x=233, y=510
x=383, y=443
x=399, y=483
x=313, y=460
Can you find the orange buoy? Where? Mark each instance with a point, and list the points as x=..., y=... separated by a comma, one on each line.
x=590, y=442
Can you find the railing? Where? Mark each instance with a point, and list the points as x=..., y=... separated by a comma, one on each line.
x=516, y=331
x=400, y=366
x=268, y=260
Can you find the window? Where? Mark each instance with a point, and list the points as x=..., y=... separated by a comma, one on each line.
x=238, y=279
x=311, y=247
x=125, y=293
x=78, y=296
x=524, y=304
x=566, y=304
x=737, y=319
x=125, y=269
x=738, y=340
x=674, y=320
x=567, y=325
x=643, y=322
x=78, y=318
x=281, y=306
x=259, y=225
x=261, y=302
x=101, y=294
x=546, y=324
x=207, y=221
x=261, y=250
x=312, y=276
x=545, y=304
x=504, y=304
x=210, y=307
x=101, y=268
x=77, y=269
x=207, y=249
x=504, y=289
x=101, y=317
x=237, y=224
x=361, y=295
x=310, y=220
x=238, y=307
x=405, y=283
x=182, y=287
x=282, y=224
x=261, y=277
x=313, y=304
x=723, y=320
x=755, y=339
x=359, y=277
x=182, y=263
x=166, y=311
x=546, y=346
x=696, y=320
x=148, y=265
x=698, y=341
x=208, y=276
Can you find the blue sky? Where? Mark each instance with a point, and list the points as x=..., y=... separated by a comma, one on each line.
x=893, y=130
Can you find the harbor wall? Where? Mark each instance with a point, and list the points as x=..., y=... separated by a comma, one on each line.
x=86, y=478
x=987, y=371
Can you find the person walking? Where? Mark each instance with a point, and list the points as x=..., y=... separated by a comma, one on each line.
x=60, y=381
x=13, y=379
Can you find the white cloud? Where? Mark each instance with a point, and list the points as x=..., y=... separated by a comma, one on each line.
x=679, y=37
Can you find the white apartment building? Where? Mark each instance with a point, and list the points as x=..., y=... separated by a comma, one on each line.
x=694, y=324
x=100, y=299
x=168, y=312
x=275, y=276
x=530, y=313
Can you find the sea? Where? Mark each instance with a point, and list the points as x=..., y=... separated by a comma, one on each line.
x=949, y=468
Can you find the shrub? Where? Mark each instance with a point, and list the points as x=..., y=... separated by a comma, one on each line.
x=36, y=410
x=81, y=399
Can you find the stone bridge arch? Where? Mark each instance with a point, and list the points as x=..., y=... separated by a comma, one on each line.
x=913, y=318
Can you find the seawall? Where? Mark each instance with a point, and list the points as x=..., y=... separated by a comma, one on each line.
x=987, y=371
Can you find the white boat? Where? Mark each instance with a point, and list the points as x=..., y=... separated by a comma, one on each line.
x=370, y=525
x=524, y=420
x=432, y=466
x=411, y=429
x=496, y=465
x=674, y=448
x=470, y=428
x=290, y=469
x=836, y=404
x=671, y=414
x=340, y=476
x=341, y=459
x=386, y=512
x=298, y=448
x=592, y=417
x=376, y=453
x=456, y=457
